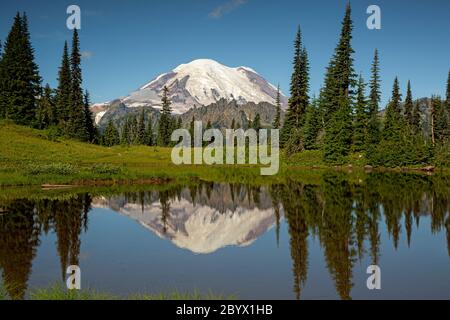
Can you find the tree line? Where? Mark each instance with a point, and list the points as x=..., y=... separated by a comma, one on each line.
x=344, y=119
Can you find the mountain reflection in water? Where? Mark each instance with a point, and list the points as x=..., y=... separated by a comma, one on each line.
x=343, y=214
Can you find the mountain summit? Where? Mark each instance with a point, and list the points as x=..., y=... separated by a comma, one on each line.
x=203, y=82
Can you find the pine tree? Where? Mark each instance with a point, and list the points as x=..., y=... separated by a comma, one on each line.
x=338, y=138
x=149, y=138
x=125, y=134
x=312, y=125
x=337, y=96
x=165, y=121
x=89, y=118
x=409, y=107
x=20, y=75
x=47, y=110
x=256, y=124
x=373, y=127
x=393, y=124
x=416, y=125
x=340, y=75
x=77, y=121
x=64, y=88
x=299, y=100
x=277, y=121
x=111, y=136
x=439, y=121
x=141, y=133
x=360, y=123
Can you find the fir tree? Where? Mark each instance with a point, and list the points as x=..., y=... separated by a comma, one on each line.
x=409, y=107
x=125, y=134
x=393, y=124
x=256, y=124
x=373, y=126
x=47, y=109
x=439, y=121
x=165, y=121
x=312, y=125
x=360, y=123
x=89, y=118
x=111, y=136
x=338, y=138
x=2, y=108
x=277, y=121
x=141, y=132
x=299, y=90
x=20, y=76
x=64, y=88
x=416, y=127
x=337, y=96
x=77, y=128
x=340, y=75
x=149, y=134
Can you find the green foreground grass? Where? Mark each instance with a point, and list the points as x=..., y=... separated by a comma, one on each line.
x=58, y=292
x=32, y=157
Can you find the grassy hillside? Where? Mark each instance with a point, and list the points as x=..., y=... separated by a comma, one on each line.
x=30, y=157
x=34, y=157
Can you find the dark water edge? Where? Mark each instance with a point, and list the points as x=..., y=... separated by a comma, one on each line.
x=299, y=239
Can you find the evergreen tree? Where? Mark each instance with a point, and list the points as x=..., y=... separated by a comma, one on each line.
x=299, y=99
x=439, y=121
x=340, y=75
x=409, y=107
x=256, y=124
x=133, y=126
x=20, y=76
x=373, y=126
x=89, y=118
x=360, y=123
x=338, y=138
x=141, y=132
x=125, y=134
x=77, y=128
x=47, y=109
x=165, y=121
x=111, y=136
x=64, y=88
x=416, y=125
x=337, y=96
x=2, y=109
x=149, y=138
x=312, y=125
x=277, y=121
x=393, y=124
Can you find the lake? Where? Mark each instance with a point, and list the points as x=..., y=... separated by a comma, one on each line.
x=302, y=238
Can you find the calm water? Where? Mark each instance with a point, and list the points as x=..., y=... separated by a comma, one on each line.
x=299, y=240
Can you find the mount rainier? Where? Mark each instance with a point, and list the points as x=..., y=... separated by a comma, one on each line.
x=199, y=83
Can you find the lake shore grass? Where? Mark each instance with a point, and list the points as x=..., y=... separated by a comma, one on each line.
x=59, y=293
x=31, y=157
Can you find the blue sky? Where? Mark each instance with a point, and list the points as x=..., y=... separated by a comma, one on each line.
x=128, y=43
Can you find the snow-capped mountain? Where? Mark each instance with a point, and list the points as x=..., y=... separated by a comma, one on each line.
x=202, y=226
x=201, y=83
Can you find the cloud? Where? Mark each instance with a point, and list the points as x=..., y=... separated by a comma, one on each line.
x=87, y=54
x=225, y=8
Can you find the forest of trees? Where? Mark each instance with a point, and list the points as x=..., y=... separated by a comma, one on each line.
x=341, y=121
x=345, y=120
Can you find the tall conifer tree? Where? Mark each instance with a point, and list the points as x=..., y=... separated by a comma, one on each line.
x=360, y=123
x=64, y=88
x=409, y=106
x=20, y=75
x=77, y=122
x=165, y=122
x=277, y=121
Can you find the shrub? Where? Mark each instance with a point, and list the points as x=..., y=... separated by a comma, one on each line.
x=55, y=168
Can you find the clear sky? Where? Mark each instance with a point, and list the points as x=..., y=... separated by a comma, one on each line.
x=128, y=43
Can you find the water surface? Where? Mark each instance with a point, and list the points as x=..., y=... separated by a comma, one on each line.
x=296, y=240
